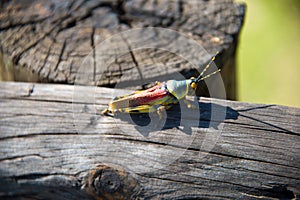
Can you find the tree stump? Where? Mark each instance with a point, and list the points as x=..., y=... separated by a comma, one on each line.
x=48, y=40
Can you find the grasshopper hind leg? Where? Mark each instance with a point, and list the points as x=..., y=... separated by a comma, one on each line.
x=107, y=112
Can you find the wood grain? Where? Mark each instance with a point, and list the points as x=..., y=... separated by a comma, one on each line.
x=49, y=40
x=52, y=139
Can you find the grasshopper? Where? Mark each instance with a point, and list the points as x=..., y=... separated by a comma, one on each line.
x=157, y=98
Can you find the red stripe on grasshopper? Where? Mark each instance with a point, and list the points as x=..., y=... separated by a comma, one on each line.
x=148, y=96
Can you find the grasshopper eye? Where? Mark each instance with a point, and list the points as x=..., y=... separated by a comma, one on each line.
x=193, y=85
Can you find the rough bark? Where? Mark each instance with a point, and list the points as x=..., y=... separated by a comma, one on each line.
x=49, y=39
x=54, y=144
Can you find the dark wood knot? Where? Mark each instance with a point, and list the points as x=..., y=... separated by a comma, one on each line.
x=107, y=181
x=110, y=182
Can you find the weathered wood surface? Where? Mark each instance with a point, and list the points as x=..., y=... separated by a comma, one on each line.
x=49, y=39
x=52, y=141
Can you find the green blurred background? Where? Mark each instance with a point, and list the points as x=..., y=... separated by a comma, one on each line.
x=269, y=53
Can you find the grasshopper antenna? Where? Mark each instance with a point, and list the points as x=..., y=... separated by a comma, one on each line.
x=200, y=77
x=207, y=76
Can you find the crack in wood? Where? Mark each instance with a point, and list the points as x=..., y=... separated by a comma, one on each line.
x=283, y=130
x=94, y=55
x=276, y=190
x=121, y=13
x=46, y=58
x=71, y=15
x=21, y=157
x=251, y=159
x=242, y=163
x=134, y=61
x=62, y=50
x=192, y=181
x=21, y=24
x=18, y=56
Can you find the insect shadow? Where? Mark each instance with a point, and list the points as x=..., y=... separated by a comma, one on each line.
x=182, y=117
x=243, y=113
x=200, y=115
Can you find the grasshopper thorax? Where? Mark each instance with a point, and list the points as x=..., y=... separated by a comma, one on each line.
x=179, y=89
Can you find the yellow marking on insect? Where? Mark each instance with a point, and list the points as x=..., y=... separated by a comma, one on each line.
x=207, y=76
x=207, y=66
x=140, y=109
x=213, y=58
x=193, y=85
x=178, y=89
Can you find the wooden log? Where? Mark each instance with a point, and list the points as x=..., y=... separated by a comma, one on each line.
x=54, y=144
x=49, y=40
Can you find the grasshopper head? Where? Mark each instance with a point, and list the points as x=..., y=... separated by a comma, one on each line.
x=179, y=88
